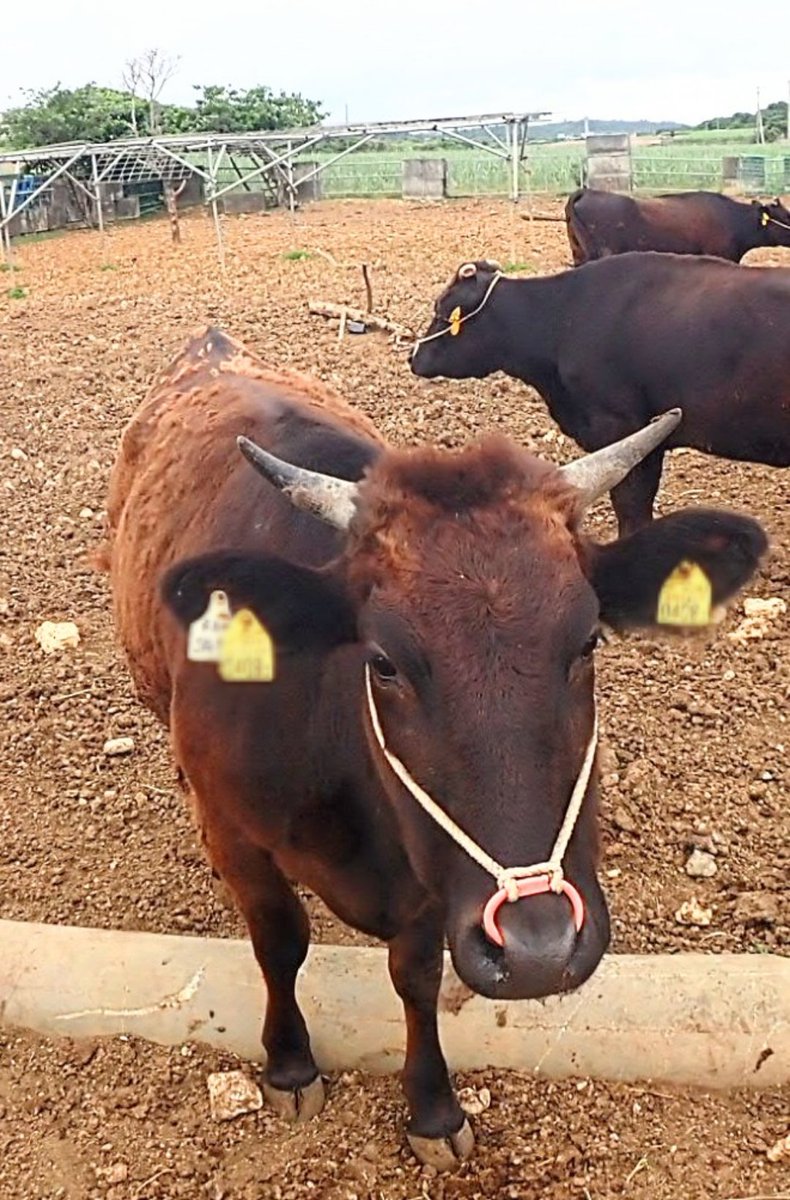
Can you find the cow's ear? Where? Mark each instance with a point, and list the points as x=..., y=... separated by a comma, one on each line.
x=301, y=608
x=628, y=575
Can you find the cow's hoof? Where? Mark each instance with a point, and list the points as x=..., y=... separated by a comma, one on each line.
x=296, y=1105
x=446, y=1153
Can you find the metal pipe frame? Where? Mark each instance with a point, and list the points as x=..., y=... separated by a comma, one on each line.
x=5, y=237
x=282, y=147
x=331, y=161
x=261, y=170
x=170, y=143
x=460, y=137
x=42, y=187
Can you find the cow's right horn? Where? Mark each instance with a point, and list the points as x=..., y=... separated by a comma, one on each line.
x=598, y=473
x=331, y=499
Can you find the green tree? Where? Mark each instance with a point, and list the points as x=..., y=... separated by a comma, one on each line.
x=221, y=109
x=53, y=115
x=98, y=114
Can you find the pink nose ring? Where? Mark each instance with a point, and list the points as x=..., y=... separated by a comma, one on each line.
x=533, y=885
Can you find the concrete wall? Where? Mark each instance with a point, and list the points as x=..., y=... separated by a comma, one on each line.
x=234, y=203
x=194, y=192
x=59, y=207
x=609, y=162
x=305, y=191
x=424, y=178
x=714, y=1020
x=64, y=205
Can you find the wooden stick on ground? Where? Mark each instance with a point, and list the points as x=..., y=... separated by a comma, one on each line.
x=344, y=266
x=539, y=217
x=368, y=288
x=330, y=258
x=323, y=308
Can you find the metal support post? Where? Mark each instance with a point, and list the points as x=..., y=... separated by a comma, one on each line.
x=291, y=187
x=3, y=246
x=514, y=160
x=6, y=214
x=214, y=209
x=97, y=194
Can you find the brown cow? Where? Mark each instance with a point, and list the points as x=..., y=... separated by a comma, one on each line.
x=604, y=223
x=443, y=610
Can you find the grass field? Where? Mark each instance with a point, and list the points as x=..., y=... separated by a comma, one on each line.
x=688, y=161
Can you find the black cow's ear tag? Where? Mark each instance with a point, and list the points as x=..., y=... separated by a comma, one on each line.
x=207, y=633
x=455, y=322
x=247, y=654
x=685, y=597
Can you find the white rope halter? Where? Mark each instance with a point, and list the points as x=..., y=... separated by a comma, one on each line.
x=466, y=317
x=506, y=877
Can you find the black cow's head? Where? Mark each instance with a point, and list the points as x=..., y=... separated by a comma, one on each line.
x=446, y=348
x=475, y=603
x=774, y=223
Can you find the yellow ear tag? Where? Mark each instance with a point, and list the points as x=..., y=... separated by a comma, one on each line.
x=455, y=322
x=764, y=219
x=685, y=598
x=206, y=634
x=247, y=654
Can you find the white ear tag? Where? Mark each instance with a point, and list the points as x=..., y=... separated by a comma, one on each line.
x=207, y=633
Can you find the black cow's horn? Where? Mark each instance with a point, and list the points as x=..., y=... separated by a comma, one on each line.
x=331, y=499
x=598, y=473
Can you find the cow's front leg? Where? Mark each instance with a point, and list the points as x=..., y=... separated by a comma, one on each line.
x=438, y=1131
x=632, y=500
x=280, y=934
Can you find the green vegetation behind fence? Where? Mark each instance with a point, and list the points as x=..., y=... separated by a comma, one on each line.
x=558, y=169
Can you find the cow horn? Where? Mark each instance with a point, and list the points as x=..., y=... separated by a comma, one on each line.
x=331, y=499
x=598, y=473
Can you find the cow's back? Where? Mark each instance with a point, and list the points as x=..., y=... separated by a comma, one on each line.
x=179, y=486
x=606, y=223
x=643, y=331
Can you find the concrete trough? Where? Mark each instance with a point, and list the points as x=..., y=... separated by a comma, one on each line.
x=712, y=1020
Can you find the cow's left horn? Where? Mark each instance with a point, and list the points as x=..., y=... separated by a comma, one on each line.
x=331, y=499
x=598, y=473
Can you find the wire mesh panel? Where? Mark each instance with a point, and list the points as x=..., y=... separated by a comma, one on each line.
x=661, y=173
x=363, y=176
x=751, y=173
x=134, y=166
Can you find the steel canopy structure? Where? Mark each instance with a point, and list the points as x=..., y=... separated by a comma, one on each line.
x=274, y=154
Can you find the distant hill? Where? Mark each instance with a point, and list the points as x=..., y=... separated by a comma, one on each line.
x=774, y=121
x=575, y=129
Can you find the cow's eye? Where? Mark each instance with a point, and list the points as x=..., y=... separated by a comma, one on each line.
x=590, y=646
x=382, y=666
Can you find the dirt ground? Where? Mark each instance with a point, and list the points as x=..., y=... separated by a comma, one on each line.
x=696, y=729
x=125, y=1120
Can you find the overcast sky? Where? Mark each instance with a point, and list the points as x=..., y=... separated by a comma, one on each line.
x=678, y=60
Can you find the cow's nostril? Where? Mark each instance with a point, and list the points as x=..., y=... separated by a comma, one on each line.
x=522, y=889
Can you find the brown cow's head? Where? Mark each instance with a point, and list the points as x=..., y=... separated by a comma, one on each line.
x=775, y=222
x=476, y=603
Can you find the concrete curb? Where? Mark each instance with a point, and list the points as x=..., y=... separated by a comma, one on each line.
x=712, y=1020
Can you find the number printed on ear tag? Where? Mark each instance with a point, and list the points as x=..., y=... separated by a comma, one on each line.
x=207, y=633
x=685, y=598
x=247, y=652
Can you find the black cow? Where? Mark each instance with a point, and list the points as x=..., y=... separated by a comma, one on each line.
x=604, y=223
x=613, y=343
